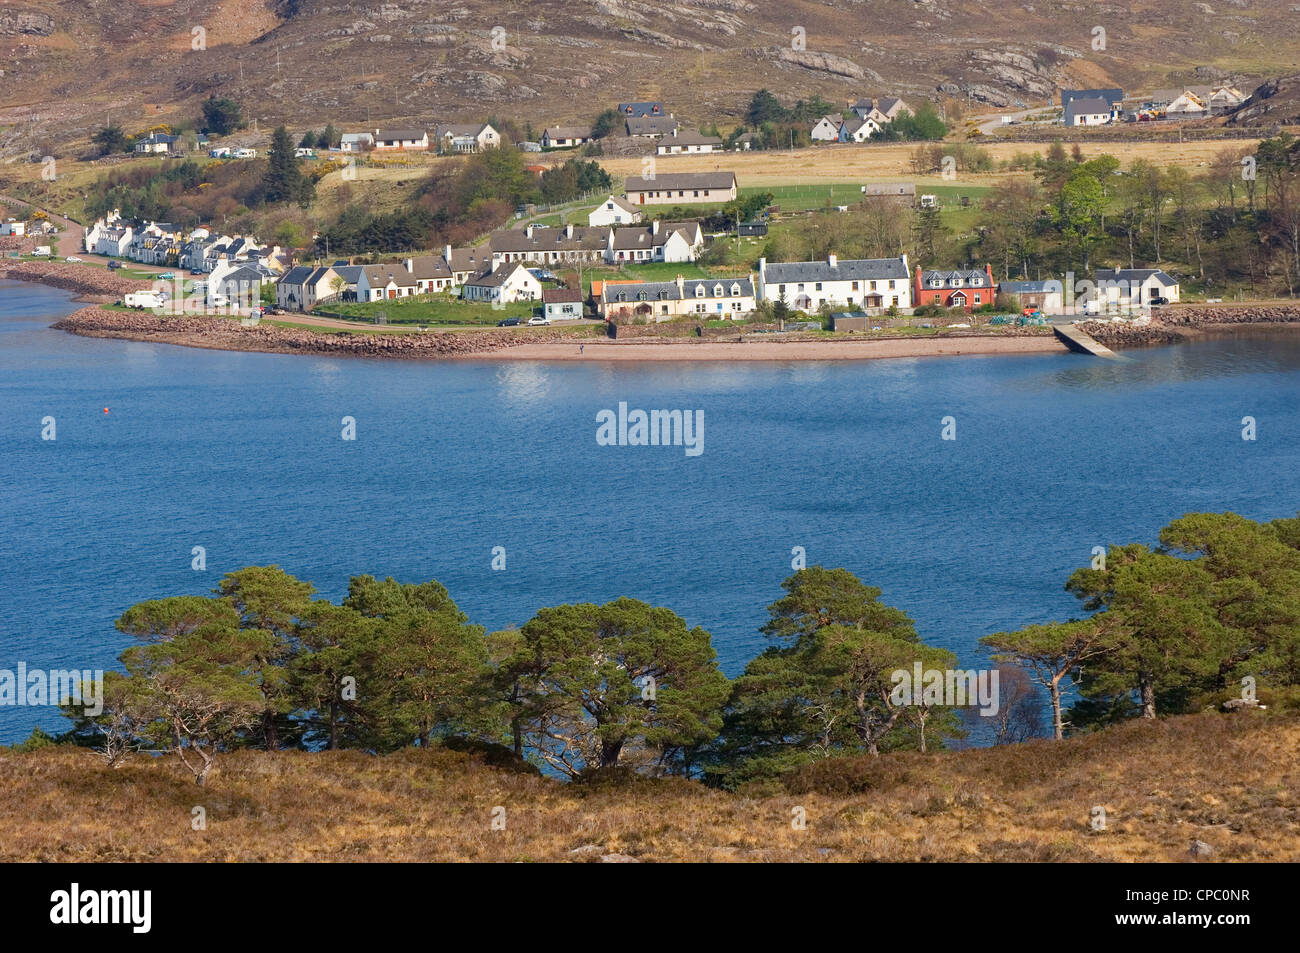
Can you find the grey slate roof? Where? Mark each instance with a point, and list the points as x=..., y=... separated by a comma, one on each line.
x=669, y=181
x=667, y=290
x=1135, y=274
x=853, y=269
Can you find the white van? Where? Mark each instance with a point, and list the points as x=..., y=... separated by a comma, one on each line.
x=245, y=153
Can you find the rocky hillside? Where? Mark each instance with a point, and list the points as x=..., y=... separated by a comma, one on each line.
x=69, y=64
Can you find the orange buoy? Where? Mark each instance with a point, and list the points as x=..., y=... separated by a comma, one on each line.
x=105, y=410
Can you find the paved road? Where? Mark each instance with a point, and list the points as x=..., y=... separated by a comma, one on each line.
x=69, y=239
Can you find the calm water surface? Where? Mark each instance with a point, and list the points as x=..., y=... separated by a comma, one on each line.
x=241, y=454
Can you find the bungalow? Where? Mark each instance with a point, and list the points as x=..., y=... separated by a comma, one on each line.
x=561, y=304
x=1045, y=296
x=745, y=141
x=541, y=245
x=565, y=137
x=963, y=288
x=902, y=192
x=303, y=287
x=613, y=211
x=158, y=142
x=869, y=284
x=681, y=142
x=1123, y=288
x=681, y=188
x=1091, y=111
x=667, y=241
x=652, y=127
x=1112, y=96
x=400, y=140
x=638, y=110
x=466, y=137
x=506, y=284
x=356, y=142
x=727, y=298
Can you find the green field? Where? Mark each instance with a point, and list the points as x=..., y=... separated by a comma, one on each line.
x=430, y=310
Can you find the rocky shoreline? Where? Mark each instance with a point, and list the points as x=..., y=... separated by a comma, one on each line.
x=85, y=281
x=229, y=335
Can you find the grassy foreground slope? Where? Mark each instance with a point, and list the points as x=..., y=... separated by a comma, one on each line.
x=1229, y=781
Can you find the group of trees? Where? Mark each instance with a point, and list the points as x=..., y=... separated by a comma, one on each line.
x=1174, y=628
x=457, y=202
x=1238, y=222
x=582, y=688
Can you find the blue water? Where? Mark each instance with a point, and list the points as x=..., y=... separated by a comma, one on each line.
x=242, y=454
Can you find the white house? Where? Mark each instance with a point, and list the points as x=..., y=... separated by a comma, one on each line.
x=157, y=143
x=827, y=129
x=506, y=284
x=466, y=137
x=613, y=211
x=410, y=276
x=1088, y=112
x=13, y=227
x=683, y=142
x=1126, y=288
x=658, y=241
x=871, y=284
x=564, y=137
x=681, y=188
x=401, y=140
x=725, y=298
x=113, y=241
x=355, y=142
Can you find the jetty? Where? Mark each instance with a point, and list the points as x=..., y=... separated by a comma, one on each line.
x=1081, y=342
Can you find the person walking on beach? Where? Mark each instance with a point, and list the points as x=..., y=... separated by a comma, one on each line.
x=580, y=347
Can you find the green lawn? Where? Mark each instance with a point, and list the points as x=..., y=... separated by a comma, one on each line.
x=435, y=310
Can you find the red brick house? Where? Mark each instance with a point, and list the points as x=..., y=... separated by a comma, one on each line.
x=969, y=289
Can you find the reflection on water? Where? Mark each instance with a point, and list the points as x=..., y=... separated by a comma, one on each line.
x=241, y=453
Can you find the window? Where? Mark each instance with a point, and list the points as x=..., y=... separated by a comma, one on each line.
x=977, y=299
x=735, y=290
x=855, y=286
x=717, y=291
x=800, y=286
x=819, y=286
x=699, y=291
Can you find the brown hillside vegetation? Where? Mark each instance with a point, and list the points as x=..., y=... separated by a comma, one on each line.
x=1228, y=781
x=70, y=63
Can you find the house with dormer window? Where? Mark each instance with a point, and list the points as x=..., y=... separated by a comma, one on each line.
x=724, y=298
x=962, y=288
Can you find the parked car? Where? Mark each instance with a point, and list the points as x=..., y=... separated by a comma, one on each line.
x=508, y=323
x=196, y=271
x=538, y=319
x=167, y=276
x=72, y=258
x=1159, y=300
x=541, y=274
x=114, y=264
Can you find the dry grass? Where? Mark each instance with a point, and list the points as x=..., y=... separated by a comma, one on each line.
x=1229, y=781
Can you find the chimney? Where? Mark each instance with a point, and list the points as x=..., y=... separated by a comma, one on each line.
x=408, y=264
x=681, y=287
x=528, y=230
x=568, y=230
x=654, y=227
x=446, y=253
x=833, y=260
